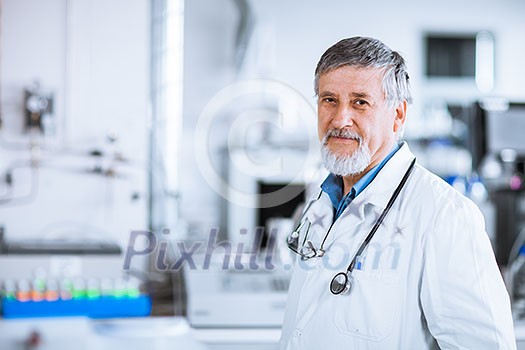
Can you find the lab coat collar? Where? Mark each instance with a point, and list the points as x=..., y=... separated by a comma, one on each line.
x=380, y=190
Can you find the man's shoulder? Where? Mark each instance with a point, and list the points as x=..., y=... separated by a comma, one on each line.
x=428, y=179
x=440, y=209
x=439, y=193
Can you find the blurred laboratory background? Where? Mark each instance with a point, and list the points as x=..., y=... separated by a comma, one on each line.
x=137, y=135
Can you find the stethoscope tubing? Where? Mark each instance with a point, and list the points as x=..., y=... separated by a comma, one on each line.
x=379, y=221
x=372, y=232
x=342, y=282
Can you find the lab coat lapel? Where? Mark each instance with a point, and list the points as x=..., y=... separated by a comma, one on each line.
x=320, y=217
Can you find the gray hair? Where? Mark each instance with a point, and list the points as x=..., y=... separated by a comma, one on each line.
x=365, y=52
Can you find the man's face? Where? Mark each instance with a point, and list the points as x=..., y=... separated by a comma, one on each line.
x=352, y=106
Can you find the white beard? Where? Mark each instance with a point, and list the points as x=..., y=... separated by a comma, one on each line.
x=346, y=165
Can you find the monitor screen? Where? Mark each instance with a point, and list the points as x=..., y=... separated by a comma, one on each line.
x=505, y=129
x=296, y=195
x=450, y=56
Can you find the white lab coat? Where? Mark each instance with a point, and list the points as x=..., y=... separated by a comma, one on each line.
x=429, y=278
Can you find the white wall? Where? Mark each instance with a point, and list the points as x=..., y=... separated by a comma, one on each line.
x=33, y=48
x=94, y=56
x=297, y=32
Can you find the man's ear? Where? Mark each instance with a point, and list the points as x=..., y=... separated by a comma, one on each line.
x=399, y=119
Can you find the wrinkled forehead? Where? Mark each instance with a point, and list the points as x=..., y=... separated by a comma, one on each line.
x=353, y=79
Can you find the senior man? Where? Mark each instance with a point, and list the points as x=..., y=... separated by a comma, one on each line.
x=389, y=255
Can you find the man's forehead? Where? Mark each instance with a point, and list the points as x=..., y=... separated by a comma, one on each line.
x=360, y=80
x=355, y=70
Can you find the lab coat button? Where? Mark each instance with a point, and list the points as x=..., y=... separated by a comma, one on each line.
x=297, y=333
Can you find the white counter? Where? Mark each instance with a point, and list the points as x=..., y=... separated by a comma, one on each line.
x=153, y=333
x=86, y=334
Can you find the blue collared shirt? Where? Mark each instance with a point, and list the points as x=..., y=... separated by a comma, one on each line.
x=333, y=185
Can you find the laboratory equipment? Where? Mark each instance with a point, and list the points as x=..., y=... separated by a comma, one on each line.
x=496, y=126
x=38, y=108
x=498, y=154
x=461, y=57
x=55, y=278
x=220, y=297
x=517, y=285
x=78, y=297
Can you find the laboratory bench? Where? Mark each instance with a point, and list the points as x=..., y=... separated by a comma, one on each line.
x=151, y=333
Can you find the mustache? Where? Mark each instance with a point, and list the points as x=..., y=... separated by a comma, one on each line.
x=344, y=134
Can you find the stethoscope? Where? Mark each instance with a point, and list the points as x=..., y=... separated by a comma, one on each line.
x=342, y=282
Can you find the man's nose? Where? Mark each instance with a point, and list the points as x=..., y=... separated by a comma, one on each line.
x=343, y=117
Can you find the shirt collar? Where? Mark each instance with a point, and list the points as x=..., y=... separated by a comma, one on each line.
x=333, y=186
x=371, y=174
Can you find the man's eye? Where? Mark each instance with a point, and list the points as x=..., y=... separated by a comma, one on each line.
x=329, y=99
x=361, y=102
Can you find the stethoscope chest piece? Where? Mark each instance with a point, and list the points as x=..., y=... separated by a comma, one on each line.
x=341, y=283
